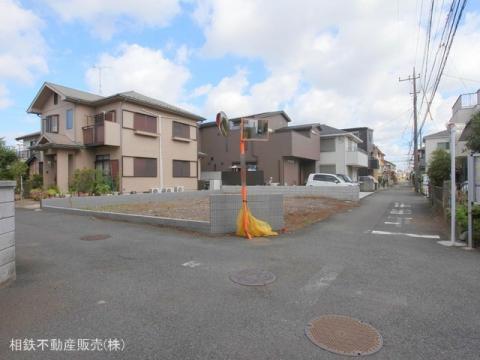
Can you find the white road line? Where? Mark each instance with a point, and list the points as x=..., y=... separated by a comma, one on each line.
x=191, y=264
x=392, y=223
x=401, y=205
x=378, y=232
x=400, y=212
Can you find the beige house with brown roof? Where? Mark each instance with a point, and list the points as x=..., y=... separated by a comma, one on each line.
x=140, y=142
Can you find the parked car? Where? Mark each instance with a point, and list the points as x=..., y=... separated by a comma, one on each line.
x=320, y=179
x=345, y=178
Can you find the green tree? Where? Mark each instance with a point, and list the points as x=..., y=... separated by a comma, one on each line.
x=473, y=140
x=439, y=167
x=9, y=169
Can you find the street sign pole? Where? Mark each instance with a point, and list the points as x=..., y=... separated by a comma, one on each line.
x=471, y=196
x=453, y=185
x=243, y=177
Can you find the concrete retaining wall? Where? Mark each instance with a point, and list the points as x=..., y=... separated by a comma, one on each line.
x=224, y=209
x=350, y=193
x=7, y=232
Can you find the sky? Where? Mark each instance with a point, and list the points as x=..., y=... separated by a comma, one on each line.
x=331, y=62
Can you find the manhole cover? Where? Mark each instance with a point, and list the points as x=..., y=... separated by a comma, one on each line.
x=252, y=277
x=95, y=237
x=344, y=335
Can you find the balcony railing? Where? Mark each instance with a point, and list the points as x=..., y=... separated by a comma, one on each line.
x=466, y=101
x=102, y=133
x=357, y=158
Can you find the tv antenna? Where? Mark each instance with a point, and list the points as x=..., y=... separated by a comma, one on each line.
x=100, y=68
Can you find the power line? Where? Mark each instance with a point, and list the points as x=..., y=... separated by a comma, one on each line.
x=459, y=10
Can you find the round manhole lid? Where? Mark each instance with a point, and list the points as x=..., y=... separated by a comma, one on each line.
x=252, y=277
x=344, y=335
x=95, y=237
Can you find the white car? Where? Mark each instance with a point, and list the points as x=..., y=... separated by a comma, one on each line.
x=321, y=179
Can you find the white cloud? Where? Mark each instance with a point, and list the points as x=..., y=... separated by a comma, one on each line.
x=349, y=56
x=236, y=96
x=141, y=69
x=22, y=48
x=106, y=16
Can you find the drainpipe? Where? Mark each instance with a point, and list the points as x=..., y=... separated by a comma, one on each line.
x=453, y=187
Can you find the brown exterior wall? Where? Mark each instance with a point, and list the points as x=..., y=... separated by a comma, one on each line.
x=270, y=156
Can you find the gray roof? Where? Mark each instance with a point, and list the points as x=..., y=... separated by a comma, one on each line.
x=440, y=134
x=329, y=130
x=136, y=97
x=267, y=114
x=75, y=95
x=298, y=127
x=55, y=140
x=34, y=134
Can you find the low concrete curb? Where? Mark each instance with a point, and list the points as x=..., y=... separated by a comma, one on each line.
x=194, y=225
x=224, y=209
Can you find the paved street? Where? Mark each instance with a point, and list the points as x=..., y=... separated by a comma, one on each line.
x=168, y=295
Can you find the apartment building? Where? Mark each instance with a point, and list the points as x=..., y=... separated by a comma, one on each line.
x=287, y=158
x=341, y=153
x=138, y=141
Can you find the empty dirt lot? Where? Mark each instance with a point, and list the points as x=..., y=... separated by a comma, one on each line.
x=299, y=211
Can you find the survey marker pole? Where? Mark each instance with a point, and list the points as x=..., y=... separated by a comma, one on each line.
x=243, y=177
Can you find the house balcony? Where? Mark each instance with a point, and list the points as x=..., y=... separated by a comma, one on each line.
x=101, y=134
x=356, y=158
x=465, y=106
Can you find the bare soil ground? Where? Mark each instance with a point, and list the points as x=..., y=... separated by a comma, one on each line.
x=299, y=211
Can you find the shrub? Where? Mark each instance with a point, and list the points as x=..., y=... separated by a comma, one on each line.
x=101, y=189
x=461, y=217
x=91, y=181
x=84, y=181
x=473, y=140
x=439, y=167
x=36, y=181
x=53, y=191
x=37, y=194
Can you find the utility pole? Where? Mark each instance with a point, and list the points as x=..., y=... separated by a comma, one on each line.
x=415, y=125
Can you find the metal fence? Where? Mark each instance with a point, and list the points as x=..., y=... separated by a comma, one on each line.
x=440, y=197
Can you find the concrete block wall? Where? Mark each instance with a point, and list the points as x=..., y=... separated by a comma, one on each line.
x=224, y=209
x=350, y=193
x=91, y=202
x=7, y=232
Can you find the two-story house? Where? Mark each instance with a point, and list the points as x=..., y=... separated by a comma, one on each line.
x=367, y=144
x=33, y=158
x=438, y=140
x=287, y=158
x=341, y=153
x=138, y=141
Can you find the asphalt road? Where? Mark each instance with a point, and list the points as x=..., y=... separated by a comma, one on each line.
x=168, y=296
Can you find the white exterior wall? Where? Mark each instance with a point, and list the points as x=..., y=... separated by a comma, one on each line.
x=431, y=146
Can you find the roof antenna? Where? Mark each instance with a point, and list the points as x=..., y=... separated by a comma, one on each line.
x=100, y=68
